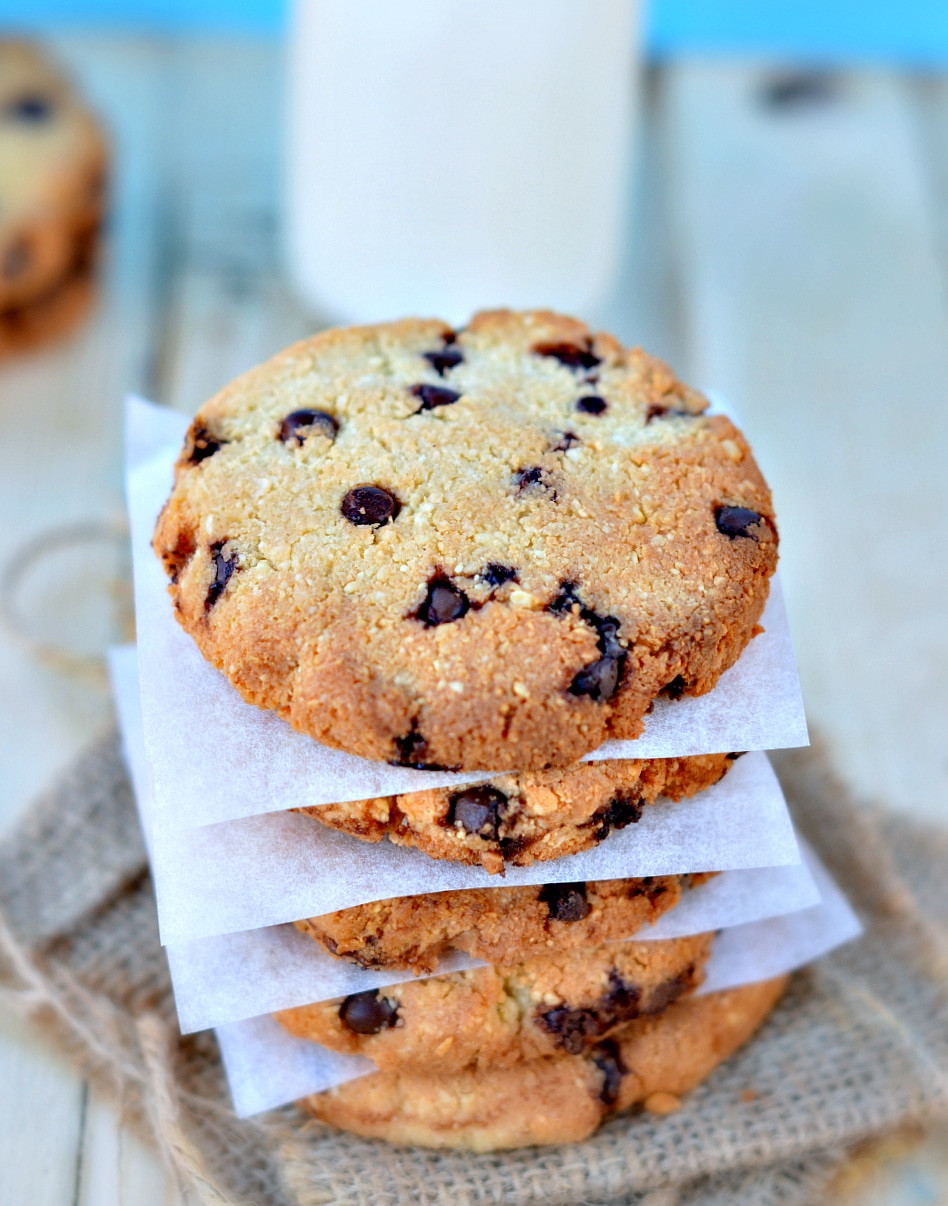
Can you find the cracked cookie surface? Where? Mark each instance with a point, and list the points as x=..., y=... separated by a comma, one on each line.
x=502, y=926
x=526, y=818
x=651, y=1061
x=475, y=549
x=485, y=1017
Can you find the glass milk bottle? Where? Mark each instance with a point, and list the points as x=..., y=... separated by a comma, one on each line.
x=449, y=155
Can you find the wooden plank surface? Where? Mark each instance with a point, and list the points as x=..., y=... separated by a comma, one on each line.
x=41, y=1116
x=60, y=439
x=831, y=342
x=114, y=1166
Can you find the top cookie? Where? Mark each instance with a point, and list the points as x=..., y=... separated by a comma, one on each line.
x=481, y=549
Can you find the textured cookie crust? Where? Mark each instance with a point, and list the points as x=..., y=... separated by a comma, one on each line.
x=562, y=1100
x=490, y=548
x=53, y=166
x=483, y=1018
x=528, y=818
x=502, y=926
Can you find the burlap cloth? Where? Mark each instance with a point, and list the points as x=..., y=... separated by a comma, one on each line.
x=858, y=1047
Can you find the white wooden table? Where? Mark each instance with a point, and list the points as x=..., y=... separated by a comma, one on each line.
x=794, y=256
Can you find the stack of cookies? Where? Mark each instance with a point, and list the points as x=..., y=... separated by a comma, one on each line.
x=472, y=551
x=53, y=174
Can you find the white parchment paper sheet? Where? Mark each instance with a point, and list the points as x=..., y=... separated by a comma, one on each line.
x=227, y=977
x=217, y=758
x=234, y=976
x=263, y=870
x=267, y=1067
x=260, y=871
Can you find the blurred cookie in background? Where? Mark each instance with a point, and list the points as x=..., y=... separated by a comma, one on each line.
x=53, y=191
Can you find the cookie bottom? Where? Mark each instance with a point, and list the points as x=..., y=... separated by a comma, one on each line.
x=561, y=1100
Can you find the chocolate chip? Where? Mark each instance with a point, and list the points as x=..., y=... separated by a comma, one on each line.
x=676, y=688
x=200, y=443
x=667, y=412
x=31, y=107
x=175, y=559
x=370, y=505
x=564, y=441
x=592, y=404
x=567, y=600
x=669, y=991
x=570, y=354
x=447, y=358
x=366, y=959
x=535, y=476
x=433, y=395
x=16, y=259
x=300, y=424
x=608, y=1060
x=566, y=902
x=478, y=810
x=622, y=810
x=622, y=1000
x=224, y=566
x=572, y=1028
x=368, y=1012
x=497, y=575
x=736, y=521
x=443, y=603
x=734, y=757
x=512, y=847
x=600, y=678
x=606, y=627
x=411, y=748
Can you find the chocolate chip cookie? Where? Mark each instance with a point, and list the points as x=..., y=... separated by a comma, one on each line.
x=527, y=818
x=480, y=549
x=53, y=164
x=652, y=1061
x=502, y=926
x=485, y=1017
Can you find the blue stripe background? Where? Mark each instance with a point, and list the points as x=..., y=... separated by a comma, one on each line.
x=911, y=32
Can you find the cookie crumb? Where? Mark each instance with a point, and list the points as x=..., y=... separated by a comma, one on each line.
x=662, y=1103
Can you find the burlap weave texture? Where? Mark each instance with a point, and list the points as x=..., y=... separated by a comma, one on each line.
x=858, y=1046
